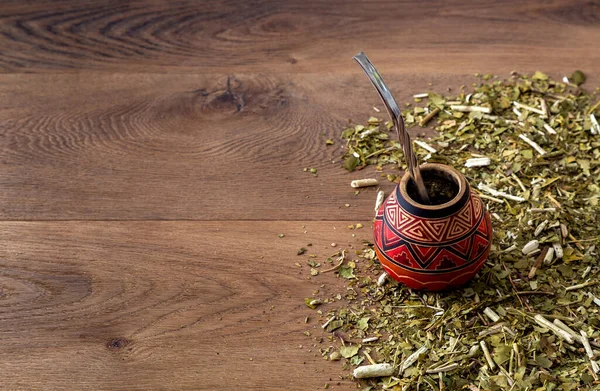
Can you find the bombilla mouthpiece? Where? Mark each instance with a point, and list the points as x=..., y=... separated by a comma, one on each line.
x=394, y=112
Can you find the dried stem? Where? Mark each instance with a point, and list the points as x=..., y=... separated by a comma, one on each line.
x=375, y=370
x=410, y=360
x=552, y=327
x=341, y=259
x=467, y=109
x=429, y=117
x=486, y=354
x=579, y=286
x=364, y=182
x=533, y=144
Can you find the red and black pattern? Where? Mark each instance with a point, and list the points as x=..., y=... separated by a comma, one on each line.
x=433, y=253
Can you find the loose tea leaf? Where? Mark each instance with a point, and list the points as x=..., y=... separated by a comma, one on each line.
x=542, y=187
x=351, y=162
x=336, y=324
x=312, y=303
x=577, y=77
x=349, y=351
x=346, y=272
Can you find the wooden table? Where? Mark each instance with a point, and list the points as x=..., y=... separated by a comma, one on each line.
x=152, y=152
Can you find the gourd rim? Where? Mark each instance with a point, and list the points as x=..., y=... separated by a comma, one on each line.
x=426, y=170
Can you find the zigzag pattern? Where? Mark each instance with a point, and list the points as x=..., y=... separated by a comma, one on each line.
x=467, y=234
x=415, y=229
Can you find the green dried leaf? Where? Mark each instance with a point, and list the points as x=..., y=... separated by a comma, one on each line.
x=437, y=100
x=565, y=270
x=363, y=323
x=501, y=353
x=577, y=77
x=539, y=76
x=356, y=360
x=346, y=271
x=585, y=166
x=349, y=351
x=522, y=263
x=586, y=378
x=336, y=324
x=351, y=162
x=335, y=356
x=543, y=361
x=527, y=154
x=347, y=133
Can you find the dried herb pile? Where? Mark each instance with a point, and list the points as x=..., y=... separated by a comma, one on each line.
x=531, y=147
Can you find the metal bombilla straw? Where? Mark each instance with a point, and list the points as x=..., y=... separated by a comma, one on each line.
x=394, y=112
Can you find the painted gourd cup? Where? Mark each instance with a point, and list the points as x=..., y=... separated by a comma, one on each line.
x=436, y=246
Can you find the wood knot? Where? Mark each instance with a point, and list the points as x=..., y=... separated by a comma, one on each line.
x=225, y=98
x=117, y=343
x=222, y=100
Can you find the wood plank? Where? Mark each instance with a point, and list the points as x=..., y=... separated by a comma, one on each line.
x=298, y=36
x=164, y=305
x=188, y=147
x=153, y=146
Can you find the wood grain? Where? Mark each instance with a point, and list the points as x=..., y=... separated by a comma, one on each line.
x=151, y=151
x=164, y=305
x=298, y=36
x=201, y=147
x=187, y=147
